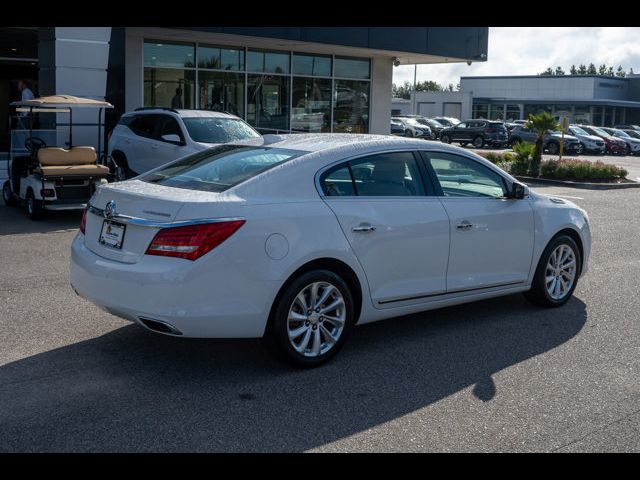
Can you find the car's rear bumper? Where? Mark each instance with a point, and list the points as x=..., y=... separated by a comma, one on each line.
x=184, y=294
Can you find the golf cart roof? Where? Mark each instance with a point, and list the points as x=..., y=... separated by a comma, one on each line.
x=62, y=101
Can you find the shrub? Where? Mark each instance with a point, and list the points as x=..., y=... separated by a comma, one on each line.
x=524, y=151
x=581, y=170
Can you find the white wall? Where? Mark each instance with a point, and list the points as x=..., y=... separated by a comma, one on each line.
x=436, y=104
x=530, y=88
x=380, y=102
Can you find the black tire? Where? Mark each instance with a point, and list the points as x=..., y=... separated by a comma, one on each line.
x=538, y=293
x=553, y=148
x=408, y=133
x=276, y=337
x=445, y=138
x=34, y=206
x=123, y=165
x=8, y=196
x=478, y=142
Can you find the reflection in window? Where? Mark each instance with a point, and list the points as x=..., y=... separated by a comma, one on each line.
x=222, y=92
x=338, y=183
x=172, y=55
x=220, y=58
x=351, y=110
x=269, y=62
x=462, y=177
x=171, y=88
x=387, y=175
x=268, y=101
x=351, y=67
x=312, y=65
x=311, y=108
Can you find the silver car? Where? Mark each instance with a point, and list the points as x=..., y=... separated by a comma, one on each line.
x=590, y=143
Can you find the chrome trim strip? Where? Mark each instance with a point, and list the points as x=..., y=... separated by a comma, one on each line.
x=143, y=222
x=451, y=292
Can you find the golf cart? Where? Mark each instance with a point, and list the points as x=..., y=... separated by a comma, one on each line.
x=43, y=175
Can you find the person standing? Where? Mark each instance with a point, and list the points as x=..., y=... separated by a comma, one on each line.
x=26, y=92
x=176, y=101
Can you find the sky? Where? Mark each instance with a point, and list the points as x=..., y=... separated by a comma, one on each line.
x=530, y=50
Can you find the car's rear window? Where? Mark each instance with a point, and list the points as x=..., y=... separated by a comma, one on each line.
x=219, y=168
x=218, y=130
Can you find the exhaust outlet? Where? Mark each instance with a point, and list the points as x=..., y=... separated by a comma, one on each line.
x=160, y=326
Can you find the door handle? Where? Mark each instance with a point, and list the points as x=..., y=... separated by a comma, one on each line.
x=464, y=226
x=364, y=227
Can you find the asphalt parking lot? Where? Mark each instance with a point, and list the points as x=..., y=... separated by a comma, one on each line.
x=500, y=375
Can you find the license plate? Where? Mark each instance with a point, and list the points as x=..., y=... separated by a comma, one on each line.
x=112, y=234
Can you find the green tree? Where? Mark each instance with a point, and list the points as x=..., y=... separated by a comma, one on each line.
x=401, y=91
x=582, y=69
x=541, y=124
x=620, y=72
x=573, y=70
x=610, y=72
x=591, y=70
x=548, y=71
x=428, y=86
x=558, y=71
x=602, y=69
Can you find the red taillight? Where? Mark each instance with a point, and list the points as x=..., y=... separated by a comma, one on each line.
x=192, y=241
x=83, y=222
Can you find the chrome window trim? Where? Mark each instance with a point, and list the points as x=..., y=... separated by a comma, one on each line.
x=143, y=222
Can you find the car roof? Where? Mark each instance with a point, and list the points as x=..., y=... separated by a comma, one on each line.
x=183, y=112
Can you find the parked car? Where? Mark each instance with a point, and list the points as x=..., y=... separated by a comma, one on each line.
x=519, y=122
x=551, y=140
x=632, y=133
x=633, y=144
x=477, y=132
x=413, y=128
x=396, y=127
x=614, y=145
x=149, y=137
x=447, y=121
x=590, y=143
x=628, y=127
x=436, y=127
x=208, y=245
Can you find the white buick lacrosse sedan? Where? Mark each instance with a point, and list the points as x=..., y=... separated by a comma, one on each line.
x=298, y=238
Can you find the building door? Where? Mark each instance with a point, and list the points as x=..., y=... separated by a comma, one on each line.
x=452, y=109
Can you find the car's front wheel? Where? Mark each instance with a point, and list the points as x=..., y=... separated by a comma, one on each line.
x=311, y=319
x=557, y=273
x=445, y=138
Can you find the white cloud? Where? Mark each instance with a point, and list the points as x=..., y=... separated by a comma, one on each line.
x=530, y=50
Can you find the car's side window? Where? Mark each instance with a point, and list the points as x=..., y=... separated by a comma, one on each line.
x=338, y=182
x=144, y=125
x=393, y=174
x=463, y=177
x=169, y=126
x=461, y=125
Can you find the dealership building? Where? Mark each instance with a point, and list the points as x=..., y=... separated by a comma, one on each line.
x=279, y=79
x=589, y=99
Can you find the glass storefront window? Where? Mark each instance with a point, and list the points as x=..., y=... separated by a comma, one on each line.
x=311, y=65
x=496, y=111
x=311, y=107
x=220, y=58
x=480, y=110
x=221, y=91
x=351, y=106
x=513, y=112
x=268, y=62
x=352, y=67
x=168, y=55
x=167, y=87
x=268, y=102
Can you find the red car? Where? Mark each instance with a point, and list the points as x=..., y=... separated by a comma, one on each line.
x=614, y=145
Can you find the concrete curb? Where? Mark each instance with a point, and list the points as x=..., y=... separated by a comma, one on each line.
x=585, y=185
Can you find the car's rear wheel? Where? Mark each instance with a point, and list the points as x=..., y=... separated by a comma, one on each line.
x=121, y=167
x=557, y=273
x=445, y=138
x=553, y=148
x=7, y=195
x=311, y=319
x=34, y=206
x=478, y=142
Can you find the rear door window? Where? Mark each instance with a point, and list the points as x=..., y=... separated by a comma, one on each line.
x=145, y=125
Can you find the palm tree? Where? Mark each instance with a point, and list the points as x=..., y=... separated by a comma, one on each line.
x=541, y=124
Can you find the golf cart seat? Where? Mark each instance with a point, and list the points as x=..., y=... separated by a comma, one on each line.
x=56, y=161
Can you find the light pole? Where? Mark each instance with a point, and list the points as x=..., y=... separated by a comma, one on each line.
x=413, y=96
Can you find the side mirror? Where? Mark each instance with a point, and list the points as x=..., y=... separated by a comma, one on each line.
x=518, y=191
x=172, y=138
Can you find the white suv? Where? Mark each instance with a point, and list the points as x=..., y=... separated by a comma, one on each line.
x=152, y=136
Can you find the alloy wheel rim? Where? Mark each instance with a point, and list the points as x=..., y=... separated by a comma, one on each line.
x=316, y=319
x=560, y=273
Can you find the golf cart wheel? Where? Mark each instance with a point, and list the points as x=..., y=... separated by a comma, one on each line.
x=34, y=206
x=7, y=195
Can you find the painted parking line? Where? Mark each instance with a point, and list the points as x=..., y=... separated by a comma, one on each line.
x=569, y=196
